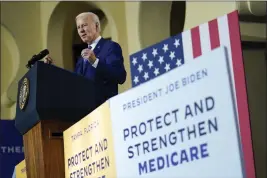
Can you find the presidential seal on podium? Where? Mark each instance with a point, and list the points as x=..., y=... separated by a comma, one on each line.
x=24, y=93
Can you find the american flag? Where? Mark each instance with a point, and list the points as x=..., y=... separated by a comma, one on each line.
x=180, y=49
x=184, y=48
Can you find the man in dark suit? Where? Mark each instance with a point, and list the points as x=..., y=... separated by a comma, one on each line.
x=102, y=61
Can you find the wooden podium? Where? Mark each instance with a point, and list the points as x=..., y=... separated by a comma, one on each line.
x=50, y=100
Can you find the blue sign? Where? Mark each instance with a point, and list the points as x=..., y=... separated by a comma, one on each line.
x=11, y=148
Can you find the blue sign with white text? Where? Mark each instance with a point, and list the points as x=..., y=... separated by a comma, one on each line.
x=11, y=148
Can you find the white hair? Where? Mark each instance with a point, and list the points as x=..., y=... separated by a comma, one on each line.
x=87, y=14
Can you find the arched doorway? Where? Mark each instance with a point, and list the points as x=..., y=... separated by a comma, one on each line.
x=160, y=20
x=10, y=59
x=177, y=19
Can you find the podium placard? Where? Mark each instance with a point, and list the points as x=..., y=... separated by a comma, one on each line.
x=21, y=170
x=88, y=146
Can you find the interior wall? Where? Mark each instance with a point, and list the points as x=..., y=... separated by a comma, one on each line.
x=253, y=31
x=255, y=69
x=6, y=70
x=46, y=10
x=22, y=20
x=154, y=19
x=6, y=66
x=177, y=17
x=10, y=60
x=201, y=12
x=105, y=28
x=160, y=20
x=132, y=11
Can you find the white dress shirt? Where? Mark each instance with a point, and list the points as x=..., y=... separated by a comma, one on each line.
x=93, y=45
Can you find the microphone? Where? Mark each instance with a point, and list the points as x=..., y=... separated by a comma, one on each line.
x=37, y=57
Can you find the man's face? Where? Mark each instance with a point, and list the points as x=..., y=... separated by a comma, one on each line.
x=86, y=29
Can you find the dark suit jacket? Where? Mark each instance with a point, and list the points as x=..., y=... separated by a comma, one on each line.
x=109, y=72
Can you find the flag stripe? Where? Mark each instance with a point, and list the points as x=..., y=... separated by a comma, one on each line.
x=204, y=38
x=214, y=34
x=241, y=94
x=196, y=45
x=225, y=41
x=187, y=45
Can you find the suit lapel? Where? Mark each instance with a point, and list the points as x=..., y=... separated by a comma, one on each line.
x=99, y=46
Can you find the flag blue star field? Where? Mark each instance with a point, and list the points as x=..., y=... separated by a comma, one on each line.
x=156, y=60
